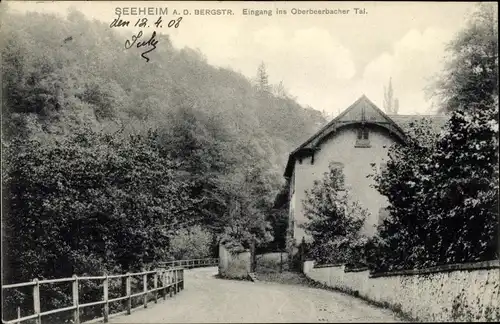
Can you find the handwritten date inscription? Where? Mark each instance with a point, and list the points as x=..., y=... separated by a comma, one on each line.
x=137, y=40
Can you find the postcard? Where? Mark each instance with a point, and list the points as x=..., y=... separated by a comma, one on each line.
x=244, y=161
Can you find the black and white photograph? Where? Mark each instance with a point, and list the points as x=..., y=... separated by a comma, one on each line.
x=249, y=162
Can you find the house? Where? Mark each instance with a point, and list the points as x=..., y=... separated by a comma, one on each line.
x=355, y=140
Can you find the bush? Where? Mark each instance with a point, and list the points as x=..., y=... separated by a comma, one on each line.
x=335, y=221
x=192, y=243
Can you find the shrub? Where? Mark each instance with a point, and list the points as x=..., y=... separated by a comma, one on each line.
x=335, y=221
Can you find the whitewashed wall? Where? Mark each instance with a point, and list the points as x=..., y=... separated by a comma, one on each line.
x=466, y=292
x=234, y=264
x=357, y=165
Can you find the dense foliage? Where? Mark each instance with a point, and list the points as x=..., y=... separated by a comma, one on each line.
x=108, y=161
x=191, y=243
x=90, y=202
x=443, y=188
x=279, y=219
x=470, y=75
x=335, y=221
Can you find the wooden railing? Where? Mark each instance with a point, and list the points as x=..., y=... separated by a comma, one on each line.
x=192, y=263
x=170, y=279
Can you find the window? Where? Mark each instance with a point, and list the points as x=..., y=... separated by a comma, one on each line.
x=363, y=134
x=363, y=138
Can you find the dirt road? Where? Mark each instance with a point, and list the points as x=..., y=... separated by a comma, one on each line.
x=206, y=299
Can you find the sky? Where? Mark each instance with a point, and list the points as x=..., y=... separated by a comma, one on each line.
x=325, y=61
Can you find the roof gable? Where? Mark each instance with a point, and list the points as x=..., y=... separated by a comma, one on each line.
x=362, y=111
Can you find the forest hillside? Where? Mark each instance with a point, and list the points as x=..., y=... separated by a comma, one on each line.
x=111, y=163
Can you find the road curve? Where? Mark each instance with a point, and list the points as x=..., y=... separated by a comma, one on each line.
x=206, y=299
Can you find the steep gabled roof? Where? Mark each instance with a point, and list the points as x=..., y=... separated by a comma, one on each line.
x=362, y=111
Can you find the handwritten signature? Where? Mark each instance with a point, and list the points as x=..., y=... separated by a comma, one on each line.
x=151, y=43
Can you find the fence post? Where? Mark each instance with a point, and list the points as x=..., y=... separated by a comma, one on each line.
x=155, y=286
x=253, y=254
x=175, y=282
x=76, y=311
x=179, y=278
x=170, y=283
x=145, y=289
x=36, y=301
x=164, y=284
x=129, y=293
x=105, y=286
x=18, y=314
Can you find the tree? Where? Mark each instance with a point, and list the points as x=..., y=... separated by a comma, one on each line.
x=94, y=196
x=89, y=203
x=191, y=243
x=280, y=91
x=443, y=189
x=248, y=206
x=335, y=221
x=464, y=195
x=466, y=157
x=279, y=219
x=388, y=97
x=401, y=236
x=396, y=106
x=443, y=195
x=263, y=79
x=391, y=104
x=105, y=97
x=470, y=75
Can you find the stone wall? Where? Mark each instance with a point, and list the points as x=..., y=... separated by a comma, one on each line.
x=235, y=264
x=465, y=292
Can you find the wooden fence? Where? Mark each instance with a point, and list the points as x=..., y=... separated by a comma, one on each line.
x=192, y=263
x=170, y=279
